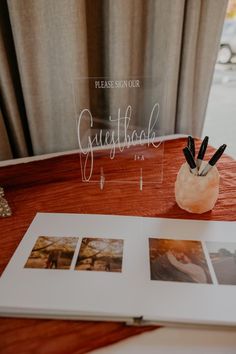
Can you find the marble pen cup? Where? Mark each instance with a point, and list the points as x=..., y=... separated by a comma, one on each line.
x=197, y=194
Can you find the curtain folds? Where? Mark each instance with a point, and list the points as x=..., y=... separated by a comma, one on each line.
x=46, y=45
x=13, y=119
x=201, y=35
x=50, y=38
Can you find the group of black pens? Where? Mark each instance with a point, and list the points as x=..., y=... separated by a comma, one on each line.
x=189, y=153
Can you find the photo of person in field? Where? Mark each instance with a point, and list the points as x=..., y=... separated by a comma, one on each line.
x=178, y=260
x=52, y=253
x=100, y=254
x=223, y=259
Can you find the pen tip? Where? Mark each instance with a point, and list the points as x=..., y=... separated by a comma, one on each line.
x=223, y=147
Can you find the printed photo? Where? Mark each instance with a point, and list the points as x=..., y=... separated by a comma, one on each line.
x=52, y=253
x=178, y=260
x=223, y=258
x=100, y=254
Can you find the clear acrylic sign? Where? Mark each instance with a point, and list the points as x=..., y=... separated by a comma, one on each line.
x=119, y=137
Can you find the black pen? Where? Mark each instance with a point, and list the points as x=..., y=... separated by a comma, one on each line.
x=213, y=160
x=190, y=160
x=202, y=151
x=191, y=145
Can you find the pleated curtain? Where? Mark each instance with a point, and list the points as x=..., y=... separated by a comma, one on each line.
x=45, y=45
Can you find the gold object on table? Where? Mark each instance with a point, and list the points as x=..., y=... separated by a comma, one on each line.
x=5, y=210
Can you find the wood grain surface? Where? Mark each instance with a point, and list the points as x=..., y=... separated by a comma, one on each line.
x=54, y=185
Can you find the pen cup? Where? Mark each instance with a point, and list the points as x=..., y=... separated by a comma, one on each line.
x=197, y=194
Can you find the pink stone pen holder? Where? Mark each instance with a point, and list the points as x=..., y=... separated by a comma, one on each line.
x=197, y=194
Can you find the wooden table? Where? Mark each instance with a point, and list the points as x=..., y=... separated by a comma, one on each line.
x=54, y=185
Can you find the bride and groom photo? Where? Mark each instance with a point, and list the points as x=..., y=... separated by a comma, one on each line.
x=179, y=261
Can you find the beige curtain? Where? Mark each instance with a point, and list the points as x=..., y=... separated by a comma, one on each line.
x=201, y=34
x=13, y=125
x=45, y=45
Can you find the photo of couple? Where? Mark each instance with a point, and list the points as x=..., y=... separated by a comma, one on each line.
x=52, y=253
x=178, y=260
x=100, y=254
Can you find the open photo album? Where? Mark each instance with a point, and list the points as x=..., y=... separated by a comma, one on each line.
x=120, y=268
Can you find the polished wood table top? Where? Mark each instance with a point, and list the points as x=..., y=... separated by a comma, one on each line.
x=54, y=185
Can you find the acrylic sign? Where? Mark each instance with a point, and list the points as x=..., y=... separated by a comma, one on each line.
x=118, y=131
